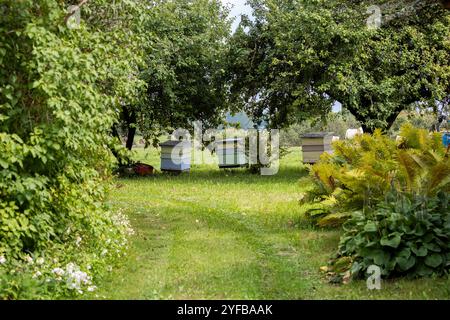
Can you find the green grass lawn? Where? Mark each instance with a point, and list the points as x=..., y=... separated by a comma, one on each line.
x=214, y=234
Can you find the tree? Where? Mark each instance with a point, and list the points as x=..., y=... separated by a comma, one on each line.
x=184, y=72
x=299, y=57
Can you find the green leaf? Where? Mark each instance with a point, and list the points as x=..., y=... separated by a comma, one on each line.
x=434, y=260
x=370, y=227
x=421, y=252
x=406, y=263
x=4, y=164
x=391, y=241
x=432, y=246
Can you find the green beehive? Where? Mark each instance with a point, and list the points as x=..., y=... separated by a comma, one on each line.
x=315, y=144
x=231, y=153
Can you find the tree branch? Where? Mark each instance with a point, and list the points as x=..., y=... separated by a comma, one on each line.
x=77, y=7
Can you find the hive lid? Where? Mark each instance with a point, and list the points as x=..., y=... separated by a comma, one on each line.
x=174, y=143
x=317, y=135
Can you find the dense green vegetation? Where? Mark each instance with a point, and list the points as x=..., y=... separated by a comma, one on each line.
x=184, y=72
x=298, y=57
x=215, y=234
x=58, y=90
x=71, y=90
x=395, y=195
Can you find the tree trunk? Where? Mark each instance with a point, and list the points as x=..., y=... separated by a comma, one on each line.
x=130, y=119
x=120, y=160
x=115, y=133
x=389, y=120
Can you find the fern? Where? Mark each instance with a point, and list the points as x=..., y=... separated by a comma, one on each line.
x=362, y=171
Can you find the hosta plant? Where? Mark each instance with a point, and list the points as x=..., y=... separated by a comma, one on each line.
x=403, y=235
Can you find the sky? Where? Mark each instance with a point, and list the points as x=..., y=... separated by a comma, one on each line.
x=239, y=7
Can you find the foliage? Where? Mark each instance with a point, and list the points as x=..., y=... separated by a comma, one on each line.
x=361, y=171
x=403, y=235
x=338, y=123
x=59, y=89
x=298, y=57
x=419, y=119
x=393, y=198
x=184, y=71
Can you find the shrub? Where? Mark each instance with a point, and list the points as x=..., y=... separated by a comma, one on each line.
x=402, y=235
x=393, y=200
x=59, y=89
x=362, y=171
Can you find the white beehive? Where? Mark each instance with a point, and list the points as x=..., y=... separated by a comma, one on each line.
x=231, y=153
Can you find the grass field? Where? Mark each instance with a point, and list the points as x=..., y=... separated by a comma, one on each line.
x=215, y=234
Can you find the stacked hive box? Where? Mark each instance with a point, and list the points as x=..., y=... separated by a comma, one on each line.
x=175, y=156
x=231, y=153
x=314, y=144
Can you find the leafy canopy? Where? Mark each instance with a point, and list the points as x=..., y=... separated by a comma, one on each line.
x=298, y=57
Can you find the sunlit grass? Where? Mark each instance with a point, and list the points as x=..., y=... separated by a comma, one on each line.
x=214, y=234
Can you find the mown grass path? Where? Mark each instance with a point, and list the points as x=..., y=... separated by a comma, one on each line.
x=217, y=234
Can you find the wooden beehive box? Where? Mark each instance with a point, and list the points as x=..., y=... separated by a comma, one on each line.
x=314, y=144
x=231, y=153
x=175, y=156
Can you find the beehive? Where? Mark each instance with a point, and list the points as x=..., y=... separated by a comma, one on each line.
x=175, y=156
x=446, y=139
x=231, y=153
x=314, y=144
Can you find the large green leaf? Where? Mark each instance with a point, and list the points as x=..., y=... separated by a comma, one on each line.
x=420, y=252
x=434, y=260
x=370, y=227
x=406, y=263
x=392, y=240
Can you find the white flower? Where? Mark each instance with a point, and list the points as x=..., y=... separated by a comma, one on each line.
x=104, y=252
x=37, y=274
x=78, y=241
x=58, y=271
x=2, y=259
x=76, y=279
x=91, y=288
x=72, y=285
x=40, y=261
x=71, y=267
x=29, y=259
x=89, y=267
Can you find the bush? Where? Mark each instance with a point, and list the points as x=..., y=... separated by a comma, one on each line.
x=58, y=93
x=401, y=235
x=393, y=200
x=362, y=171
